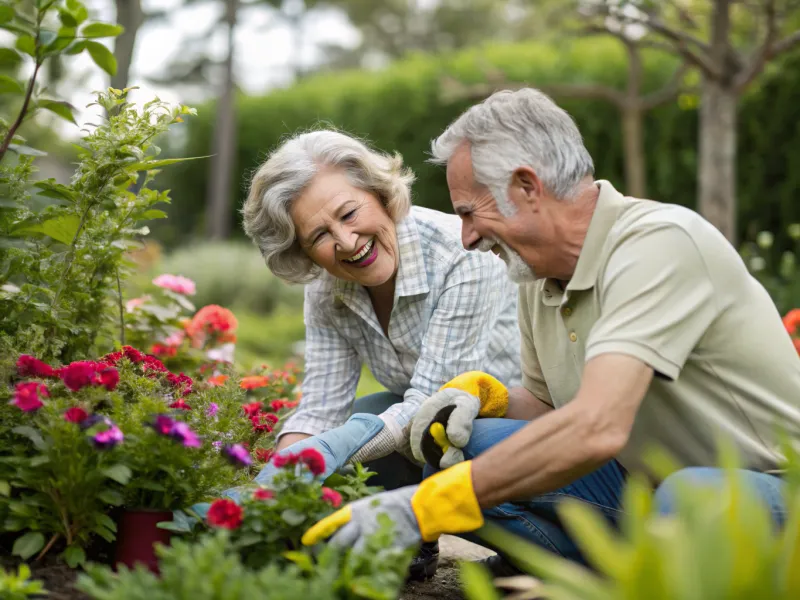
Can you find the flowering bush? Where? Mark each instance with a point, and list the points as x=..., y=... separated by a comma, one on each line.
x=120, y=431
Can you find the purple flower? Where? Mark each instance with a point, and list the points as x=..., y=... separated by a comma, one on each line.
x=93, y=420
x=217, y=444
x=212, y=409
x=238, y=455
x=181, y=431
x=108, y=438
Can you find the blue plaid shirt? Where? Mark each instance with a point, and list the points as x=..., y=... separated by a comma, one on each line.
x=454, y=311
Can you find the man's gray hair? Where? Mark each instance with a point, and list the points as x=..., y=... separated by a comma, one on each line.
x=511, y=129
x=289, y=170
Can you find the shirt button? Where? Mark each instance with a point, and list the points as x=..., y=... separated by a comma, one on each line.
x=567, y=311
x=573, y=336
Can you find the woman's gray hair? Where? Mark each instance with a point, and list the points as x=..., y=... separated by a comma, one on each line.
x=514, y=128
x=288, y=171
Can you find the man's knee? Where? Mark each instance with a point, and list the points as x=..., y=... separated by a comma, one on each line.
x=666, y=495
x=488, y=432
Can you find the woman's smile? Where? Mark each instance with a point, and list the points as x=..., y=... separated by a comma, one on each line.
x=365, y=256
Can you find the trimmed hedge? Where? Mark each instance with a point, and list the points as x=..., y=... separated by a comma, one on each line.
x=399, y=109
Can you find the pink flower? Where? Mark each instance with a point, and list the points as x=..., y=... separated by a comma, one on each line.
x=175, y=283
x=135, y=303
x=312, y=458
x=332, y=497
x=29, y=366
x=109, y=437
x=75, y=414
x=188, y=438
x=212, y=409
x=176, y=339
x=162, y=424
x=78, y=374
x=238, y=455
x=26, y=396
x=262, y=494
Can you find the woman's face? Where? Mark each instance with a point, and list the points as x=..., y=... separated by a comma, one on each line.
x=346, y=230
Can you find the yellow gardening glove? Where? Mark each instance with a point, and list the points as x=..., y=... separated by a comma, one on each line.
x=442, y=503
x=443, y=423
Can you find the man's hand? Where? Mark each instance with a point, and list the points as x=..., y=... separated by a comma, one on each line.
x=443, y=423
x=442, y=503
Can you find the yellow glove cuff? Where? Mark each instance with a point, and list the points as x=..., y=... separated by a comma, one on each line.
x=446, y=503
x=326, y=527
x=492, y=394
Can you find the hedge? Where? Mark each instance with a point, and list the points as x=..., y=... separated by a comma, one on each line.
x=400, y=109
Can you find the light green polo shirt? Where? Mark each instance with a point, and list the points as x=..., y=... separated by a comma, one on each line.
x=658, y=282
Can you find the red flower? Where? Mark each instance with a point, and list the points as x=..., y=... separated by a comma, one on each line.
x=262, y=494
x=132, y=354
x=183, y=382
x=75, y=414
x=285, y=459
x=180, y=403
x=29, y=366
x=26, y=396
x=152, y=366
x=332, y=497
x=292, y=404
x=252, y=409
x=225, y=513
x=263, y=421
x=263, y=455
x=163, y=350
x=312, y=458
x=276, y=405
x=79, y=374
x=108, y=377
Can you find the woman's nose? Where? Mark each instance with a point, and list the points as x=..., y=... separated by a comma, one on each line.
x=346, y=241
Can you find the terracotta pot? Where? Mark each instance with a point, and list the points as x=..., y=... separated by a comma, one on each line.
x=137, y=535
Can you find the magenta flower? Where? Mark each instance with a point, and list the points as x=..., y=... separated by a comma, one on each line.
x=175, y=283
x=162, y=424
x=108, y=438
x=26, y=396
x=238, y=455
x=217, y=444
x=212, y=409
x=30, y=366
x=188, y=438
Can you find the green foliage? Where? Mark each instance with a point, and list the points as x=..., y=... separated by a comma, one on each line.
x=212, y=570
x=720, y=543
x=776, y=270
x=404, y=106
x=61, y=268
x=19, y=586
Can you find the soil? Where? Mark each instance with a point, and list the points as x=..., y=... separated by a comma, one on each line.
x=58, y=578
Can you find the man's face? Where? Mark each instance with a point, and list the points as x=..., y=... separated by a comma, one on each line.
x=483, y=226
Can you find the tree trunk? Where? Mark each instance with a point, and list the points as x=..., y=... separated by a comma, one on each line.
x=218, y=202
x=717, y=163
x=633, y=146
x=130, y=16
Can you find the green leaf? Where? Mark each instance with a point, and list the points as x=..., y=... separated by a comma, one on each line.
x=301, y=559
x=61, y=108
x=28, y=545
x=67, y=18
x=104, y=533
x=102, y=57
x=76, y=48
x=147, y=165
x=9, y=57
x=64, y=37
x=9, y=85
x=293, y=517
x=119, y=473
x=26, y=150
x=248, y=539
x=61, y=229
x=32, y=434
x=74, y=556
x=52, y=189
x=6, y=13
x=5, y=488
x=112, y=497
x=106, y=522
x=78, y=10
x=154, y=214
x=26, y=44
x=476, y=582
x=99, y=30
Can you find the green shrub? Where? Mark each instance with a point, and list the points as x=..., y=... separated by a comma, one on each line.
x=19, y=586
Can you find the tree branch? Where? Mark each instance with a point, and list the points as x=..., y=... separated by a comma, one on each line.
x=770, y=48
x=666, y=93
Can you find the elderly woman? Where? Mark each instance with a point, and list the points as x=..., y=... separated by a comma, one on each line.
x=389, y=286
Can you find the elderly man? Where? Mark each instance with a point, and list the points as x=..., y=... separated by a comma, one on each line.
x=640, y=325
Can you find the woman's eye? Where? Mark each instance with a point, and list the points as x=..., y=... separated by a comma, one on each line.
x=348, y=215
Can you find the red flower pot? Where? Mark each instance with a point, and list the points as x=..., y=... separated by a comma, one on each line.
x=137, y=534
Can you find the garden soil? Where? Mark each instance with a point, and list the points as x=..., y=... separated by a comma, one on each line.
x=58, y=578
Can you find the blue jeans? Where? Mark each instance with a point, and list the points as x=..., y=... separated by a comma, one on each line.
x=537, y=521
x=394, y=470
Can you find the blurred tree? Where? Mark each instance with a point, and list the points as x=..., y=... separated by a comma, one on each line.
x=131, y=17
x=730, y=42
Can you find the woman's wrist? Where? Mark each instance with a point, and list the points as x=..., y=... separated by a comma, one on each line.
x=288, y=439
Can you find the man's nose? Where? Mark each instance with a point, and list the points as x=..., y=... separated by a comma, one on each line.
x=469, y=237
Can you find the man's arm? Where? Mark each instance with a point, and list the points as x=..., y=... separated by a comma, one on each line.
x=568, y=443
x=524, y=406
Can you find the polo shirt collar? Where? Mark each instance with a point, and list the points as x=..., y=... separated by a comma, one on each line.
x=412, y=277
x=609, y=204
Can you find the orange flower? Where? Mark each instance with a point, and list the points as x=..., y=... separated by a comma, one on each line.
x=254, y=382
x=792, y=320
x=217, y=380
x=796, y=344
x=212, y=321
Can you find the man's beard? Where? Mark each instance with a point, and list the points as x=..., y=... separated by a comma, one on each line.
x=518, y=270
